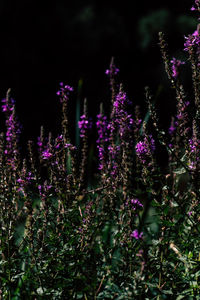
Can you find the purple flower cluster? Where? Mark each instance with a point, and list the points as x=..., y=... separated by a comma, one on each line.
x=87, y=212
x=25, y=180
x=196, y=6
x=64, y=92
x=8, y=106
x=176, y=63
x=134, y=204
x=112, y=71
x=101, y=124
x=13, y=130
x=59, y=141
x=193, y=145
x=11, y=124
x=48, y=151
x=121, y=118
x=84, y=125
x=192, y=40
x=181, y=113
x=46, y=154
x=44, y=190
x=172, y=129
x=145, y=148
x=120, y=102
x=39, y=143
x=136, y=235
x=86, y=218
x=114, y=153
x=194, y=149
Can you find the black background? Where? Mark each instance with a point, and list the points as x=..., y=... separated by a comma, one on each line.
x=45, y=43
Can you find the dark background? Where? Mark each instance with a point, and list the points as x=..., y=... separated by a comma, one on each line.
x=42, y=45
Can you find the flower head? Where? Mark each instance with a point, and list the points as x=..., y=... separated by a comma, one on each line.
x=145, y=148
x=136, y=235
x=84, y=124
x=102, y=124
x=196, y=5
x=192, y=40
x=176, y=63
x=64, y=92
x=46, y=154
x=113, y=70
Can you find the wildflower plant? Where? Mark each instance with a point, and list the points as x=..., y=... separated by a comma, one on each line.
x=135, y=233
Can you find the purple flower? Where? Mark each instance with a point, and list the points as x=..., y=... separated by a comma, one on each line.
x=192, y=165
x=192, y=40
x=120, y=102
x=141, y=148
x=135, y=234
x=176, y=63
x=84, y=124
x=8, y=106
x=112, y=71
x=59, y=141
x=101, y=156
x=121, y=119
x=145, y=148
x=197, y=4
x=44, y=190
x=21, y=181
x=64, y=92
x=171, y=129
x=194, y=144
x=39, y=143
x=26, y=180
x=13, y=129
x=46, y=154
x=135, y=203
x=101, y=124
x=113, y=151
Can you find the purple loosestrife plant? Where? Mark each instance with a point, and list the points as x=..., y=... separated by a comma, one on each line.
x=13, y=130
x=102, y=143
x=192, y=46
x=125, y=122
x=194, y=149
x=120, y=131
x=64, y=94
x=112, y=73
x=85, y=124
